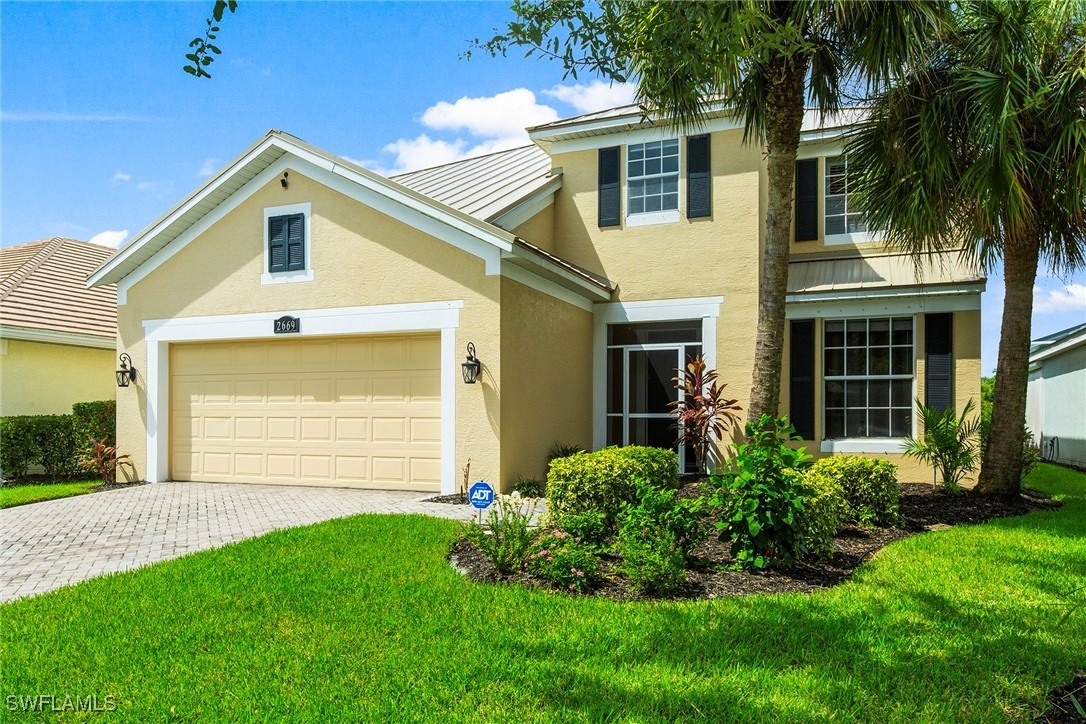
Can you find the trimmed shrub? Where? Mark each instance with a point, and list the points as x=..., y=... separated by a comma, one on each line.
x=870, y=487
x=604, y=480
x=95, y=421
x=564, y=560
x=18, y=450
x=590, y=526
x=46, y=440
x=826, y=509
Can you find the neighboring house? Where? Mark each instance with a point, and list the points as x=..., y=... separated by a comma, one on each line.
x=301, y=319
x=1056, y=398
x=58, y=338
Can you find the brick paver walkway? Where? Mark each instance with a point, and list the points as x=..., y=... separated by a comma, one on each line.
x=59, y=542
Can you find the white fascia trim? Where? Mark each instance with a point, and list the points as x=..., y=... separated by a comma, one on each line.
x=1055, y=349
x=513, y=217
x=615, y=134
x=443, y=317
x=304, y=275
x=823, y=134
x=652, y=218
x=26, y=334
x=440, y=223
x=874, y=303
x=546, y=286
x=463, y=239
x=653, y=310
x=589, y=290
x=875, y=445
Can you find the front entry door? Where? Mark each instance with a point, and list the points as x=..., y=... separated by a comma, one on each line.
x=643, y=360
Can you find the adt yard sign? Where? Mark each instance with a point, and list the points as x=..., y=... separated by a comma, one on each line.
x=481, y=495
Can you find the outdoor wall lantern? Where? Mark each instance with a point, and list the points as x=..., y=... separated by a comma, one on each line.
x=471, y=366
x=127, y=372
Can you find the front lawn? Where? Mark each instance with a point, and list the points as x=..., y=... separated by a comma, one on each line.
x=12, y=495
x=363, y=619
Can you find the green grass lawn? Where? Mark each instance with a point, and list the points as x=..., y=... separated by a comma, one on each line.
x=362, y=619
x=12, y=495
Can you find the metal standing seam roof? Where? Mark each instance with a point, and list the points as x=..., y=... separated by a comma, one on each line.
x=485, y=186
x=43, y=287
x=864, y=273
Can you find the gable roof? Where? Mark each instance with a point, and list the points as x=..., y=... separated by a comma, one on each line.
x=200, y=208
x=489, y=186
x=1057, y=343
x=44, y=297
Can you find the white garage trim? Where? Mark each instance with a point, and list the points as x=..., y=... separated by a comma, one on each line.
x=443, y=317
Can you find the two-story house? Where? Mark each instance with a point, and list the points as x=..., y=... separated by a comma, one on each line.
x=299, y=319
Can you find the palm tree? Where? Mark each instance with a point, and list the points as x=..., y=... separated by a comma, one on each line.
x=764, y=60
x=982, y=148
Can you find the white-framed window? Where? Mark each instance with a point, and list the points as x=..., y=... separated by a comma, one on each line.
x=843, y=224
x=868, y=375
x=287, y=244
x=652, y=182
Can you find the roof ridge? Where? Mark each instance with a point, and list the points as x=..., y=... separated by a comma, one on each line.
x=463, y=160
x=30, y=266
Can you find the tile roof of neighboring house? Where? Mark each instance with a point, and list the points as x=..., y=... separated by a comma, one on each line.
x=43, y=286
x=485, y=186
x=868, y=274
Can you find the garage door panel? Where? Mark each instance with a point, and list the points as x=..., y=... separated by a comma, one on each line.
x=362, y=412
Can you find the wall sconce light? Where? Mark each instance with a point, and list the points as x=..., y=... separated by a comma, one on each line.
x=283, y=180
x=471, y=367
x=127, y=372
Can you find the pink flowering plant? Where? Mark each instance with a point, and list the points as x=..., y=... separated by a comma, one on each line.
x=565, y=560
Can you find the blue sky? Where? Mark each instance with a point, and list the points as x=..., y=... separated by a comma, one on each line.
x=102, y=132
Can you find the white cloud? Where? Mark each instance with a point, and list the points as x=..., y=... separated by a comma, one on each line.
x=594, y=96
x=208, y=167
x=122, y=176
x=110, y=238
x=1066, y=299
x=499, y=116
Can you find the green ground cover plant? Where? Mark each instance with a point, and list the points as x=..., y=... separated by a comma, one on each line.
x=362, y=618
x=12, y=495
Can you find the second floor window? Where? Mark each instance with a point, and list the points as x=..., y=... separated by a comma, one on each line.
x=652, y=177
x=841, y=216
x=286, y=243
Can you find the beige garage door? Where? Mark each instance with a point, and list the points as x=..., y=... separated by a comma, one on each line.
x=360, y=412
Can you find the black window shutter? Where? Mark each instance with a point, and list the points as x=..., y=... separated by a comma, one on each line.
x=801, y=385
x=296, y=242
x=807, y=199
x=699, y=180
x=939, y=361
x=609, y=192
x=277, y=244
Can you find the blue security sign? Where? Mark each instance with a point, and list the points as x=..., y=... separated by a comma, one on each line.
x=481, y=495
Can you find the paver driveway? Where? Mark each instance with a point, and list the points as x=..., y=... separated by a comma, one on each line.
x=58, y=542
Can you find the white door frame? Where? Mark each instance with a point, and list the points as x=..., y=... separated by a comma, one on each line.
x=443, y=317
x=656, y=310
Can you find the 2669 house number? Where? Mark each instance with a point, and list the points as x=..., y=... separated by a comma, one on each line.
x=288, y=325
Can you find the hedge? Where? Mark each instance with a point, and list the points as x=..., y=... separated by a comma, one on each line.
x=870, y=487
x=603, y=480
x=55, y=442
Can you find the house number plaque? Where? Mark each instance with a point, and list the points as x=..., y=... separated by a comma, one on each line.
x=288, y=325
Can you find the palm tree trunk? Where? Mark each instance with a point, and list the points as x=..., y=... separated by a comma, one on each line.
x=1001, y=471
x=784, y=119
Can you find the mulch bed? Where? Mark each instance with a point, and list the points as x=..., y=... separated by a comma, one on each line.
x=922, y=508
x=454, y=499
x=1061, y=709
x=116, y=486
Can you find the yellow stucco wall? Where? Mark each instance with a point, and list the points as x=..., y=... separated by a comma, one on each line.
x=539, y=229
x=46, y=379
x=547, y=394
x=359, y=257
